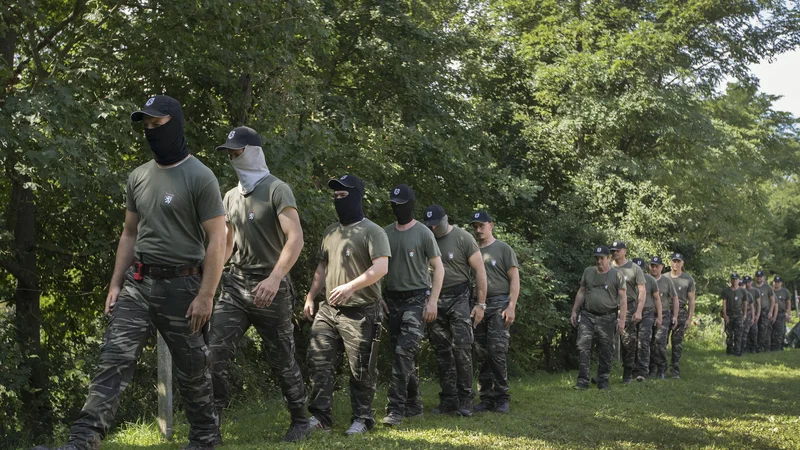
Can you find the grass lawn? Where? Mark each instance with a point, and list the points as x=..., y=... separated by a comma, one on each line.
x=720, y=402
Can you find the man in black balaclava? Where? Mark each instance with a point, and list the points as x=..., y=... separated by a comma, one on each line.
x=412, y=300
x=354, y=256
x=164, y=279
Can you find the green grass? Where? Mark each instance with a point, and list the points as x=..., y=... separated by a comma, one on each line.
x=720, y=402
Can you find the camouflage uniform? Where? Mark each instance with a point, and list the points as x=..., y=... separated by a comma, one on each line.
x=354, y=328
x=451, y=337
x=677, y=333
x=405, y=333
x=733, y=331
x=641, y=333
x=658, y=345
x=143, y=307
x=601, y=328
x=233, y=314
x=764, y=331
x=778, y=331
x=491, y=347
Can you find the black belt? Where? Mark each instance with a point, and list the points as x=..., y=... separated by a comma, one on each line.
x=456, y=290
x=141, y=270
x=613, y=311
x=404, y=295
x=251, y=272
x=497, y=298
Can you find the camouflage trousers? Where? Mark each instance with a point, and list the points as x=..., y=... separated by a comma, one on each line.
x=406, y=329
x=636, y=343
x=491, y=348
x=734, y=330
x=751, y=334
x=677, y=333
x=778, y=331
x=141, y=308
x=451, y=337
x=354, y=329
x=601, y=329
x=234, y=313
x=658, y=344
x=764, y=331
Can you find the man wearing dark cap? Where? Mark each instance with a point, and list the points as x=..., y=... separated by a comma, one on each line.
x=636, y=292
x=164, y=279
x=781, y=313
x=754, y=314
x=451, y=333
x=354, y=256
x=411, y=298
x=492, y=334
x=669, y=312
x=601, y=294
x=264, y=240
x=766, y=317
x=651, y=314
x=734, y=308
x=684, y=284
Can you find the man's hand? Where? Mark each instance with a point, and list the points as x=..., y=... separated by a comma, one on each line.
x=688, y=323
x=476, y=315
x=340, y=295
x=774, y=318
x=265, y=291
x=725, y=319
x=659, y=322
x=430, y=313
x=509, y=314
x=621, y=325
x=111, y=300
x=788, y=316
x=573, y=319
x=308, y=309
x=637, y=317
x=199, y=311
x=385, y=307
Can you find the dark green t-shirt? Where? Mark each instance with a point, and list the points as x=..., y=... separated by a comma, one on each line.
x=733, y=301
x=666, y=289
x=258, y=238
x=756, y=294
x=498, y=258
x=349, y=252
x=634, y=276
x=172, y=204
x=601, y=290
x=684, y=284
x=766, y=292
x=650, y=292
x=781, y=295
x=412, y=250
x=456, y=247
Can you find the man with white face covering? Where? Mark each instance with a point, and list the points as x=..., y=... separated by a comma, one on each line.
x=264, y=240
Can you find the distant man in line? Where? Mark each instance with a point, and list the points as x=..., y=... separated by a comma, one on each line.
x=752, y=334
x=594, y=312
x=636, y=292
x=354, y=256
x=164, y=279
x=748, y=344
x=669, y=311
x=264, y=240
x=781, y=313
x=734, y=309
x=684, y=283
x=412, y=298
x=651, y=313
x=451, y=333
x=766, y=318
x=492, y=334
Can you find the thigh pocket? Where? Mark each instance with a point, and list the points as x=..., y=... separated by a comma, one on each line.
x=198, y=355
x=191, y=284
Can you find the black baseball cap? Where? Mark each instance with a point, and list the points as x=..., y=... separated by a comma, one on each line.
x=434, y=215
x=158, y=106
x=481, y=216
x=346, y=182
x=777, y=279
x=617, y=245
x=734, y=276
x=656, y=260
x=760, y=273
x=601, y=251
x=638, y=261
x=675, y=256
x=401, y=194
x=241, y=137
x=747, y=279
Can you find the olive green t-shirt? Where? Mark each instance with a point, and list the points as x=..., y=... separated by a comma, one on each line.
x=601, y=290
x=258, y=238
x=766, y=291
x=172, y=203
x=781, y=295
x=498, y=258
x=666, y=289
x=456, y=247
x=349, y=252
x=650, y=292
x=756, y=294
x=684, y=284
x=634, y=276
x=412, y=250
x=733, y=301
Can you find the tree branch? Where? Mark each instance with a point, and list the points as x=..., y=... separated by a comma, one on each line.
x=77, y=10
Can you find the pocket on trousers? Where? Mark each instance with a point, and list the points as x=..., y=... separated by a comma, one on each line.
x=191, y=284
x=198, y=354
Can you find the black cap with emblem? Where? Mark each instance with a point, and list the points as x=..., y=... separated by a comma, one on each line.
x=401, y=194
x=481, y=217
x=346, y=182
x=657, y=260
x=240, y=138
x=617, y=245
x=433, y=215
x=158, y=106
x=676, y=256
x=602, y=251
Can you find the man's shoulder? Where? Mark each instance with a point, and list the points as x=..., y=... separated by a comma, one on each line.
x=142, y=170
x=650, y=278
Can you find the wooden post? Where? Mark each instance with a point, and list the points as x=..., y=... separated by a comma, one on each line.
x=164, y=388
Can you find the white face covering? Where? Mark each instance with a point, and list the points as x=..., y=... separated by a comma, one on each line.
x=251, y=167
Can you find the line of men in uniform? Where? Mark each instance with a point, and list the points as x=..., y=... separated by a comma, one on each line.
x=755, y=315
x=617, y=298
x=178, y=234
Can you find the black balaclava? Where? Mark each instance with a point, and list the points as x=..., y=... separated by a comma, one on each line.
x=404, y=212
x=167, y=141
x=349, y=209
